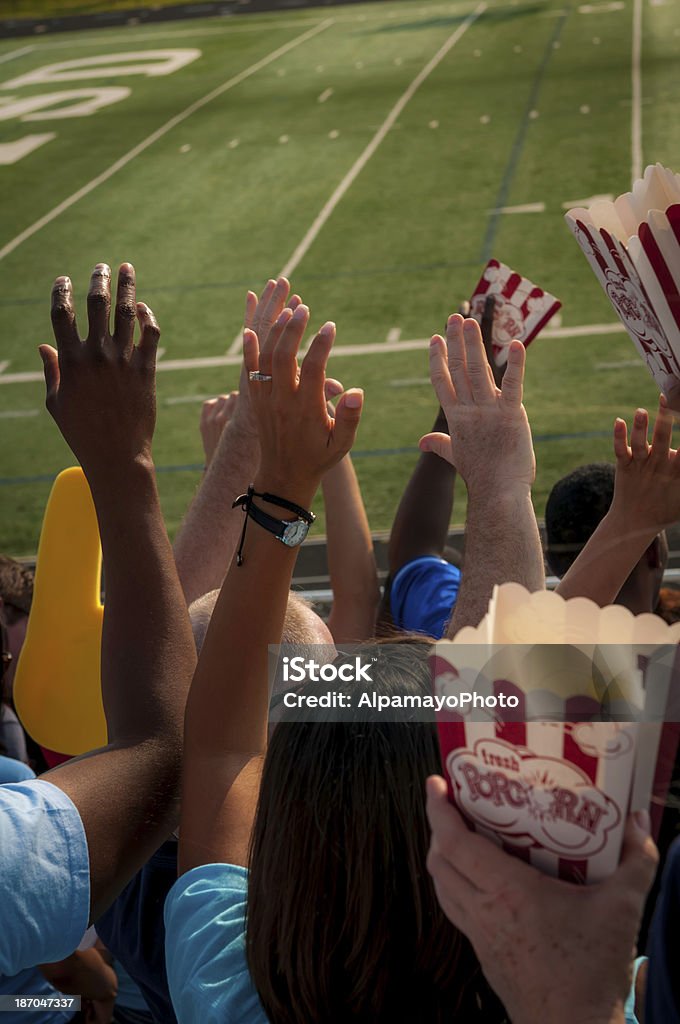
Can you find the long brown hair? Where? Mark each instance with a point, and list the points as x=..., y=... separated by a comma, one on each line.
x=343, y=921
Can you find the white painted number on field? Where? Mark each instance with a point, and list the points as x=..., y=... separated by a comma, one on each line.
x=144, y=62
x=13, y=152
x=34, y=108
x=54, y=106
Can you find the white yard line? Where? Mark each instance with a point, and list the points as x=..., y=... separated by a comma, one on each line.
x=17, y=414
x=158, y=134
x=186, y=399
x=15, y=53
x=340, y=351
x=623, y=363
x=524, y=208
x=636, y=89
x=359, y=164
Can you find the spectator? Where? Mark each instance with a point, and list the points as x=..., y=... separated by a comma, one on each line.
x=553, y=951
x=645, y=503
x=83, y=973
x=133, y=928
x=348, y=799
x=16, y=594
x=70, y=841
x=422, y=586
x=576, y=506
x=207, y=539
x=663, y=982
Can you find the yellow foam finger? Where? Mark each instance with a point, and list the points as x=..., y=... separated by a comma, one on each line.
x=57, y=687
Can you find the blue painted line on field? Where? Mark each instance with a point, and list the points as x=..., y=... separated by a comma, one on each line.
x=518, y=144
x=368, y=453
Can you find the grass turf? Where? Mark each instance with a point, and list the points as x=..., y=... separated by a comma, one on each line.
x=532, y=104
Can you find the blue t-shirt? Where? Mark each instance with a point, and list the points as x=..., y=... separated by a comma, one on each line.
x=205, y=948
x=12, y=770
x=44, y=875
x=423, y=594
x=662, y=999
x=133, y=930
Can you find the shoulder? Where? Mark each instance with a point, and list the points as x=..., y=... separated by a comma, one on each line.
x=44, y=881
x=205, y=947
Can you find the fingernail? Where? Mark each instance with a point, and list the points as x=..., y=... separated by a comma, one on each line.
x=283, y=317
x=354, y=399
x=642, y=822
x=328, y=328
x=469, y=326
x=301, y=312
x=431, y=786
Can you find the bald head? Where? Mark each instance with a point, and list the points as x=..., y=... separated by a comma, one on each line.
x=302, y=626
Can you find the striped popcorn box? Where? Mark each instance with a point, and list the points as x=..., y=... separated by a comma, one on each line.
x=569, y=733
x=633, y=247
x=521, y=308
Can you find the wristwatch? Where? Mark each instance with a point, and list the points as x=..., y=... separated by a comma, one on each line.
x=290, y=532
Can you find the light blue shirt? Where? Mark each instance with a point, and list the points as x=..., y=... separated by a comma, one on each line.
x=12, y=770
x=205, y=948
x=44, y=875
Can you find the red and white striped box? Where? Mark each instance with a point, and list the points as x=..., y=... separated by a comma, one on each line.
x=521, y=308
x=542, y=779
x=633, y=247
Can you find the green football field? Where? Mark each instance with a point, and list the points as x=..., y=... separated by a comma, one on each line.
x=379, y=152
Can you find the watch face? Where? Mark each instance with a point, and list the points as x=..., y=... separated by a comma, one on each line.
x=295, y=532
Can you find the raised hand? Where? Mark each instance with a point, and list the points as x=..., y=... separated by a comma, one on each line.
x=647, y=487
x=646, y=500
x=298, y=438
x=552, y=951
x=215, y=415
x=260, y=316
x=101, y=390
x=490, y=439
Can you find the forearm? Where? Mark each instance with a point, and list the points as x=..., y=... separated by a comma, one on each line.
x=148, y=654
x=351, y=559
x=84, y=973
x=502, y=545
x=128, y=795
x=421, y=524
x=228, y=706
x=208, y=537
x=607, y=560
